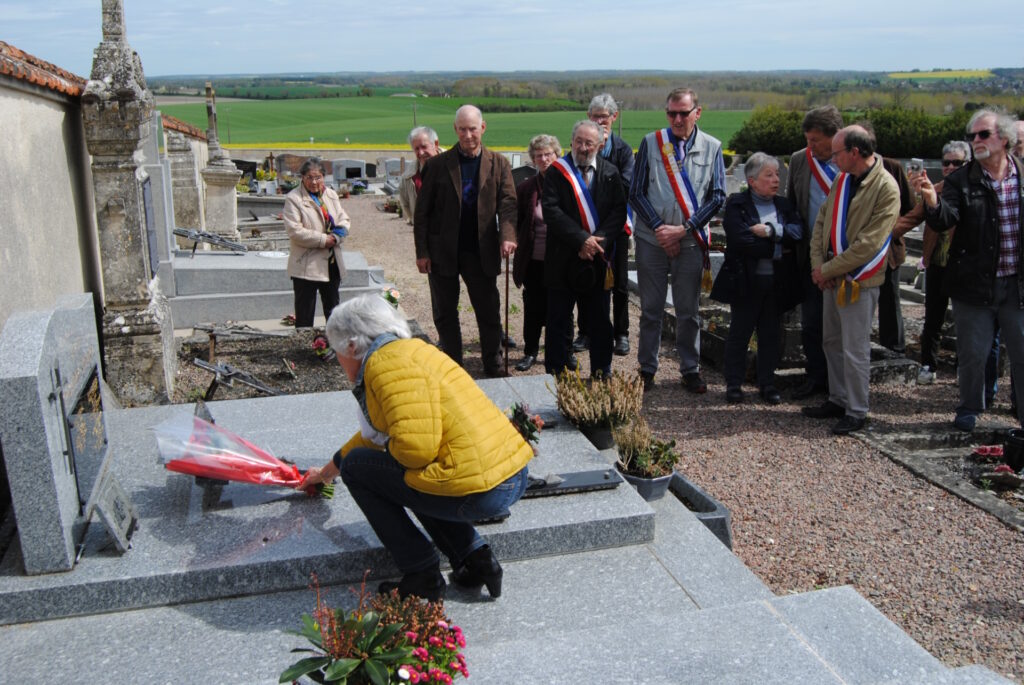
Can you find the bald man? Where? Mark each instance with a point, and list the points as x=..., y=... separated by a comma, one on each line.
x=464, y=225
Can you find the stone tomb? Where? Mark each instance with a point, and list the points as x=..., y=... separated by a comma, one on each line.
x=54, y=436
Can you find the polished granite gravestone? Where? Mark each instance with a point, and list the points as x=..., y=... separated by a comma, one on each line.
x=53, y=430
x=256, y=540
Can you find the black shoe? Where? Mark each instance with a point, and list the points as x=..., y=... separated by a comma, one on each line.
x=581, y=343
x=827, y=410
x=694, y=383
x=848, y=424
x=809, y=388
x=621, y=346
x=427, y=584
x=526, y=362
x=771, y=395
x=508, y=342
x=479, y=568
x=648, y=379
x=733, y=395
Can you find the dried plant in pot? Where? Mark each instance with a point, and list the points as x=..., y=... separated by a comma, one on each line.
x=646, y=462
x=596, y=406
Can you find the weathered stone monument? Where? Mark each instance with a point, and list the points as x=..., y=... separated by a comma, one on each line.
x=185, y=179
x=221, y=176
x=117, y=111
x=55, y=443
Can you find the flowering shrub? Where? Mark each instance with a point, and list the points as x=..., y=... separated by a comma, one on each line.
x=391, y=295
x=321, y=346
x=435, y=641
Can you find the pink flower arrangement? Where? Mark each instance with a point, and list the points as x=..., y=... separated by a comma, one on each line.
x=437, y=658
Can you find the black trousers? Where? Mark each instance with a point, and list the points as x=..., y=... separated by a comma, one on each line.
x=558, y=332
x=759, y=312
x=620, y=292
x=306, y=292
x=935, y=304
x=483, y=295
x=535, y=306
x=890, y=314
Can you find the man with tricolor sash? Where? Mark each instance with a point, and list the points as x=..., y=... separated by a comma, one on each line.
x=848, y=252
x=678, y=185
x=811, y=172
x=584, y=209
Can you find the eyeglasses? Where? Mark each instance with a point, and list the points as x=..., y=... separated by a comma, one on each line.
x=314, y=179
x=598, y=118
x=953, y=162
x=683, y=113
x=984, y=135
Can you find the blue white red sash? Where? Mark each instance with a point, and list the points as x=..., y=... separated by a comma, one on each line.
x=584, y=202
x=824, y=174
x=840, y=242
x=681, y=186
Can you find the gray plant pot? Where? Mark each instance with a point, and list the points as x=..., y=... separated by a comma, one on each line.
x=649, y=488
x=707, y=509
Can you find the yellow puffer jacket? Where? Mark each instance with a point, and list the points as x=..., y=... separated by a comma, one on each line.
x=443, y=429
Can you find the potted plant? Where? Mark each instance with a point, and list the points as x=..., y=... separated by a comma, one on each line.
x=598, y=405
x=644, y=461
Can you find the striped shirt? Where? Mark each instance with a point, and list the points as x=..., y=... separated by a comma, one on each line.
x=1008, y=212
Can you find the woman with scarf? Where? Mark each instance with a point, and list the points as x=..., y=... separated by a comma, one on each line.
x=316, y=225
x=429, y=441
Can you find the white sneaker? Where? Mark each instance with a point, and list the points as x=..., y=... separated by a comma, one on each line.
x=925, y=376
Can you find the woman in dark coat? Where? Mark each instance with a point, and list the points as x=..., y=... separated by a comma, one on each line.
x=531, y=233
x=759, y=278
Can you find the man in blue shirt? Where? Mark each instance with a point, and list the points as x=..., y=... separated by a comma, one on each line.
x=678, y=185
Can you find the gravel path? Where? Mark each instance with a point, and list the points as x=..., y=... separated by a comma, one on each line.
x=809, y=510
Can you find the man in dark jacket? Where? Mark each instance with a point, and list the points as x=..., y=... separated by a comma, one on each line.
x=584, y=208
x=465, y=224
x=984, y=199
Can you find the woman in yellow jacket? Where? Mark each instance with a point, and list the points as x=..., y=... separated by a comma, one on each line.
x=429, y=440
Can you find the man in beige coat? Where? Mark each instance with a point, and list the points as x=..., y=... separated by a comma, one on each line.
x=849, y=246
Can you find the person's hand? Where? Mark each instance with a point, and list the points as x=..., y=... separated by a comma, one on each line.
x=332, y=240
x=761, y=230
x=922, y=184
x=507, y=248
x=591, y=247
x=818, y=279
x=311, y=478
x=423, y=265
x=669, y=235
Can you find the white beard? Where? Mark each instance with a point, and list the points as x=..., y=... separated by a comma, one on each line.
x=982, y=153
x=583, y=163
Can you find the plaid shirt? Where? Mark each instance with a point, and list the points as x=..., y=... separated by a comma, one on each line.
x=1008, y=209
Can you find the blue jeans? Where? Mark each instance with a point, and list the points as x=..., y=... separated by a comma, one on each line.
x=376, y=482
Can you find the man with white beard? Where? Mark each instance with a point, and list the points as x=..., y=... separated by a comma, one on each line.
x=584, y=208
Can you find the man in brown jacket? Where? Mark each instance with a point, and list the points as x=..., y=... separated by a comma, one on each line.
x=848, y=258
x=465, y=224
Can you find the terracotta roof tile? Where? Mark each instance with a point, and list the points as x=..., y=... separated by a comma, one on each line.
x=176, y=124
x=22, y=66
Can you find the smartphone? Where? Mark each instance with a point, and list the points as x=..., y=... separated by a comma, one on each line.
x=915, y=166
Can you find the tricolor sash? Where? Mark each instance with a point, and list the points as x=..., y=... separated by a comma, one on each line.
x=685, y=195
x=584, y=202
x=840, y=242
x=822, y=173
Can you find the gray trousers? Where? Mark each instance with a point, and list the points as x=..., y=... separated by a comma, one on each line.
x=846, y=340
x=655, y=272
x=974, y=326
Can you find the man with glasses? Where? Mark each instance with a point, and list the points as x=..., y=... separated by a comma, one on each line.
x=811, y=172
x=465, y=224
x=678, y=185
x=849, y=246
x=984, y=275
x=604, y=112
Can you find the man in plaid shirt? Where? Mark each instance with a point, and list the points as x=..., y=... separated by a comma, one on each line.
x=985, y=273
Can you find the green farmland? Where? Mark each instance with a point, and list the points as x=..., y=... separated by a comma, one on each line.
x=384, y=121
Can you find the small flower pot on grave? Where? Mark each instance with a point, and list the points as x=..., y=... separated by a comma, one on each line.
x=649, y=488
x=599, y=436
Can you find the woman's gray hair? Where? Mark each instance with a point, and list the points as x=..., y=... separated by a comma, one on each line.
x=957, y=146
x=361, y=320
x=1006, y=126
x=310, y=164
x=543, y=141
x=756, y=162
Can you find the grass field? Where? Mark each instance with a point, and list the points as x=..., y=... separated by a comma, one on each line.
x=386, y=121
x=951, y=74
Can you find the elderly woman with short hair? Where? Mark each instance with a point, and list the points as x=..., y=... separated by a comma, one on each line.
x=531, y=236
x=316, y=223
x=430, y=441
x=759, y=278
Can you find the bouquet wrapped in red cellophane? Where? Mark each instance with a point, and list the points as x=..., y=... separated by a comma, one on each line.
x=193, y=446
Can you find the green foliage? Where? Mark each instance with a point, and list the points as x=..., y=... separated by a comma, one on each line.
x=771, y=130
x=913, y=133
x=640, y=453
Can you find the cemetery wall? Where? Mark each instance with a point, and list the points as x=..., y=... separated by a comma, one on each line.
x=48, y=244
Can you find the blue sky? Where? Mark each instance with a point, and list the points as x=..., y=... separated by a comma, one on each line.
x=267, y=36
